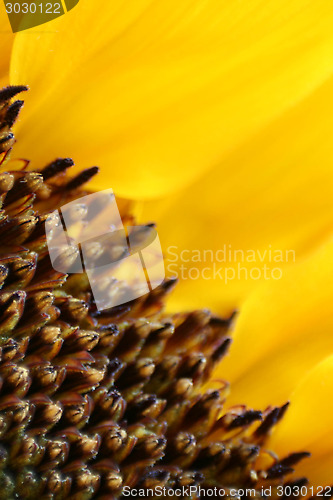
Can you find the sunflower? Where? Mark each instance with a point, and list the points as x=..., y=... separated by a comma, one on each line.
x=108, y=404
x=213, y=119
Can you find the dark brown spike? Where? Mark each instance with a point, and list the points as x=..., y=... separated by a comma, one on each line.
x=221, y=351
x=191, y=330
x=8, y=93
x=203, y=407
x=155, y=343
x=270, y=420
x=56, y=167
x=294, y=458
x=210, y=456
x=193, y=366
x=277, y=471
x=246, y=418
x=12, y=113
x=82, y=178
x=132, y=340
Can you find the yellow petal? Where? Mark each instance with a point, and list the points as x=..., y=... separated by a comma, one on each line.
x=308, y=424
x=284, y=329
x=158, y=92
x=6, y=43
x=273, y=195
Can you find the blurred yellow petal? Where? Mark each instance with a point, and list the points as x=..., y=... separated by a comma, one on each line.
x=283, y=330
x=157, y=92
x=6, y=43
x=308, y=424
x=272, y=195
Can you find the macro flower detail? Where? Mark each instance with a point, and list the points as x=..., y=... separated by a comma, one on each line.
x=94, y=401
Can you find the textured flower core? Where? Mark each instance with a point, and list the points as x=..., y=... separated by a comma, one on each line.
x=91, y=402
